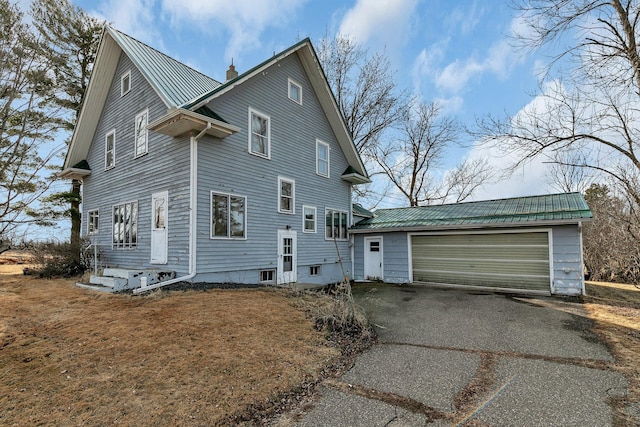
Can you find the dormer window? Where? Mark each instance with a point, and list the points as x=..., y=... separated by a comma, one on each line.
x=125, y=83
x=295, y=92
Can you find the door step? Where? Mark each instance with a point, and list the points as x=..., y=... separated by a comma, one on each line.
x=122, y=279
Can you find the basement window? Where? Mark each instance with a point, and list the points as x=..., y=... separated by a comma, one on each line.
x=314, y=270
x=267, y=276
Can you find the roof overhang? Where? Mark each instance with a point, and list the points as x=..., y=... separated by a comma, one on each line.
x=179, y=121
x=355, y=178
x=453, y=227
x=74, y=173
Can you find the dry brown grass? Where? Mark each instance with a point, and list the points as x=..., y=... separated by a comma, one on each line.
x=14, y=261
x=616, y=311
x=74, y=357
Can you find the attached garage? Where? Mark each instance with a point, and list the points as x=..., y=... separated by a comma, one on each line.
x=529, y=244
x=518, y=260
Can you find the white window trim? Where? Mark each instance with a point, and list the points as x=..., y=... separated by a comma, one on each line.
x=315, y=219
x=293, y=195
x=135, y=135
x=113, y=156
x=299, y=86
x=89, y=222
x=325, y=224
x=126, y=75
x=318, y=144
x=229, y=236
x=132, y=245
x=273, y=276
x=268, y=118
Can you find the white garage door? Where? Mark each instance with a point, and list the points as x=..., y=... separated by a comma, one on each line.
x=500, y=260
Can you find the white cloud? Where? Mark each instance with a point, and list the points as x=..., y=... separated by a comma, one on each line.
x=244, y=20
x=134, y=17
x=386, y=21
x=466, y=17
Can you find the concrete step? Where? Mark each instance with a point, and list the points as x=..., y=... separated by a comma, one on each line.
x=98, y=288
x=123, y=273
x=109, y=281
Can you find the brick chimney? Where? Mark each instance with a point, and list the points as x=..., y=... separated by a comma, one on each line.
x=231, y=72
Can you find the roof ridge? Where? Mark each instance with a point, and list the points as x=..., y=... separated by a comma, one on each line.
x=482, y=201
x=162, y=53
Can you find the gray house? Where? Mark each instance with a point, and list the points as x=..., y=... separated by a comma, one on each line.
x=524, y=243
x=189, y=179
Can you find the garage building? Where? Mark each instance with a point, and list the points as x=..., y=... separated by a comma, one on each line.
x=531, y=244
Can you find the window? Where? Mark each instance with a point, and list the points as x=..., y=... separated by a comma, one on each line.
x=228, y=216
x=267, y=275
x=260, y=134
x=322, y=158
x=142, y=134
x=110, y=150
x=309, y=219
x=92, y=223
x=286, y=195
x=295, y=92
x=125, y=225
x=125, y=83
x=314, y=270
x=335, y=224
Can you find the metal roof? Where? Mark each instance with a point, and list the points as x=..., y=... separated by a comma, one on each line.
x=175, y=82
x=519, y=211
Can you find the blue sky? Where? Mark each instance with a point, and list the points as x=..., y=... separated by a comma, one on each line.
x=455, y=51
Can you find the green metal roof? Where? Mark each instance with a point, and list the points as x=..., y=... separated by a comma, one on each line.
x=175, y=82
x=519, y=211
x=358, y=210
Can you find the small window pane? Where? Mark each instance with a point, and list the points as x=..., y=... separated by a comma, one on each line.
x=220, y=210
x=322, y=161
x=295, y=92
x=141, y=134
x=259, y=134
x=286, y=196
x=237, y=216
x=309, y=219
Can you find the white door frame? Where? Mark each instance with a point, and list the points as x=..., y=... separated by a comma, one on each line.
x=159, y=227
x=287, y=257
x=372, y=265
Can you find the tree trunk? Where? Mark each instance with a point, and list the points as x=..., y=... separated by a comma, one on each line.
x=76, y=217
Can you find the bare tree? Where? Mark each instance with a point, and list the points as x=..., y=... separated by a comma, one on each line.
x=411, y=160
x=562, y=176
x=592, y=103
x=364, y=87
x=611, y=250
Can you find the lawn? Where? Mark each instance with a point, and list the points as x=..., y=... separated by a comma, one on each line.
x=69, y=356
x=615, y=308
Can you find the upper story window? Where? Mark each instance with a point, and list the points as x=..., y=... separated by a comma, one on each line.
x=125, y=83
x=322, y=158
x=308, y=219
x=125, y=225
x=335, y=224
x=295, y=92
x=92, y=223
x=259, y=134
x=110, y=149
x=228, y=216
x=142, y=134
x=286, y=195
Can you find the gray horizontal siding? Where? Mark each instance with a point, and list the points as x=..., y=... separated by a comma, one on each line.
x=395, y=256
x=226, y=166
x=568, y=274
x=165, y=167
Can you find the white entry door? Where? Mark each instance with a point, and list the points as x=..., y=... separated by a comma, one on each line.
x=287, y=257
x=373, y=258
x=159, y=222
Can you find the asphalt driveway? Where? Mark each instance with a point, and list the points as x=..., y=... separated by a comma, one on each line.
x=451, y=357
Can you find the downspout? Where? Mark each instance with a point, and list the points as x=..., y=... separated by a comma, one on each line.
x=193, y=215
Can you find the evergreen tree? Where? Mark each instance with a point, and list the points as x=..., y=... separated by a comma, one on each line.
x=71, y=39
